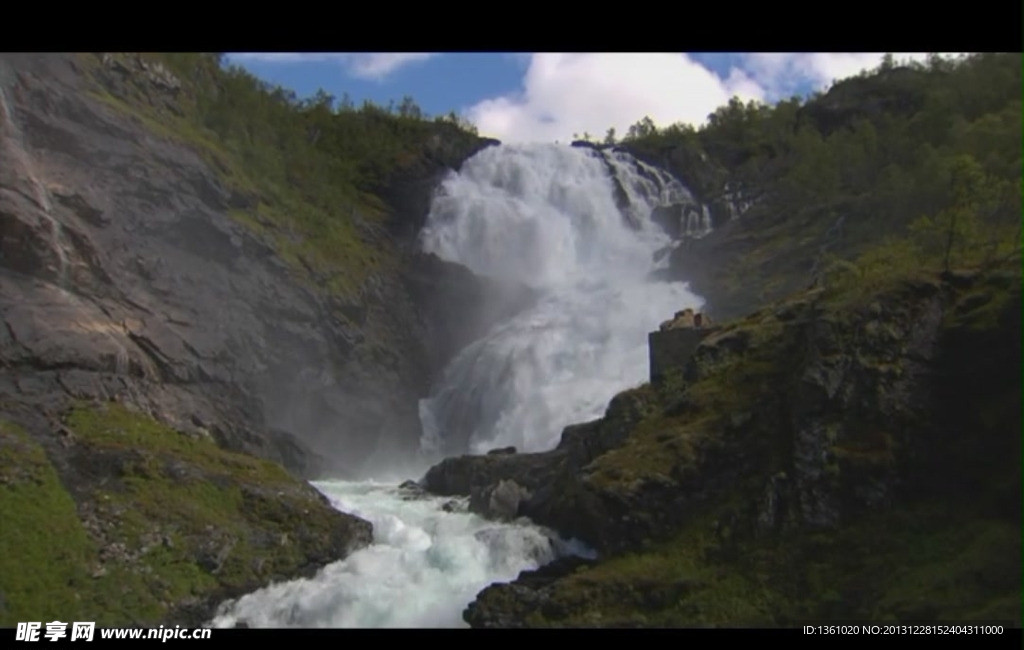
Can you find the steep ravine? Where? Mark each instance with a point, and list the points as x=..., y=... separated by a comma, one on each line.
x=175, y=362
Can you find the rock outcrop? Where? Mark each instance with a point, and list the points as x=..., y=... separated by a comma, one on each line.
x=675, y=341
x=501, y=501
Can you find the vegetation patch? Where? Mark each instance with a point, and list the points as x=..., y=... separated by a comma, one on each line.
x=44, y=550
x=916, y=565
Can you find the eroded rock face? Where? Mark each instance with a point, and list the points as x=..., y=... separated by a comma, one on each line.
x=457, y=306
x=124, y=277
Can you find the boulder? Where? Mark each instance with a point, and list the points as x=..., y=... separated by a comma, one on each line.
x=500, y=501
x=670, y=349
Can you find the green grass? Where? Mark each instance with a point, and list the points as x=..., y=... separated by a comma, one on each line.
x=113, y=426
x=44, y=550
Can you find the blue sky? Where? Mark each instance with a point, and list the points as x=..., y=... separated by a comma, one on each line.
x=518, y=97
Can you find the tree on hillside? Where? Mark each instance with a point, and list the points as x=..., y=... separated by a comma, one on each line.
x=409, y=108
x=319, y=110
x=642, y=129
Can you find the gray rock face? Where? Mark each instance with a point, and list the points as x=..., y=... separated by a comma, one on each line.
x=542, y=486
x=456, y=306
x=466, y=475
x=123, y=277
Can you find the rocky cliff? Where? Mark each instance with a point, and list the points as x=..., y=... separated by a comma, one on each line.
x=157, y=337
x=826, y=458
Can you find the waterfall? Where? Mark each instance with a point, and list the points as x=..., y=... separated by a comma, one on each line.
x=575, y=224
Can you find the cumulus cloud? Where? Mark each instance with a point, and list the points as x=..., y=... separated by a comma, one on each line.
x=785, y=74
x=564, y=94
x=365, y=65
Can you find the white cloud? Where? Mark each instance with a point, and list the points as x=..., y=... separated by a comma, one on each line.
x=785, y=74
x=564, y=94
x=380, y=64
x=365, y=65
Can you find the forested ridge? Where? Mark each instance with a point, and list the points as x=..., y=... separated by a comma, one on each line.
x=909, y=166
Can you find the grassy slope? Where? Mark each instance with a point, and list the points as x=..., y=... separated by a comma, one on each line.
x=160, y=522
x=44, y=550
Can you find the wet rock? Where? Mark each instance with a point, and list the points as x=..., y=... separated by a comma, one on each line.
x=503, y=451
x=452, y=506
x=412, y=490
x=462, y=475
x=508, y=606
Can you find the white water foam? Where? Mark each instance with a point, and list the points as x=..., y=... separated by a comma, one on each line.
x=424, y=567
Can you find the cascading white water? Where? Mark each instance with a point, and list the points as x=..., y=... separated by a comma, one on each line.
x=647, y=186
x=548, y=216
x=424, y=567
